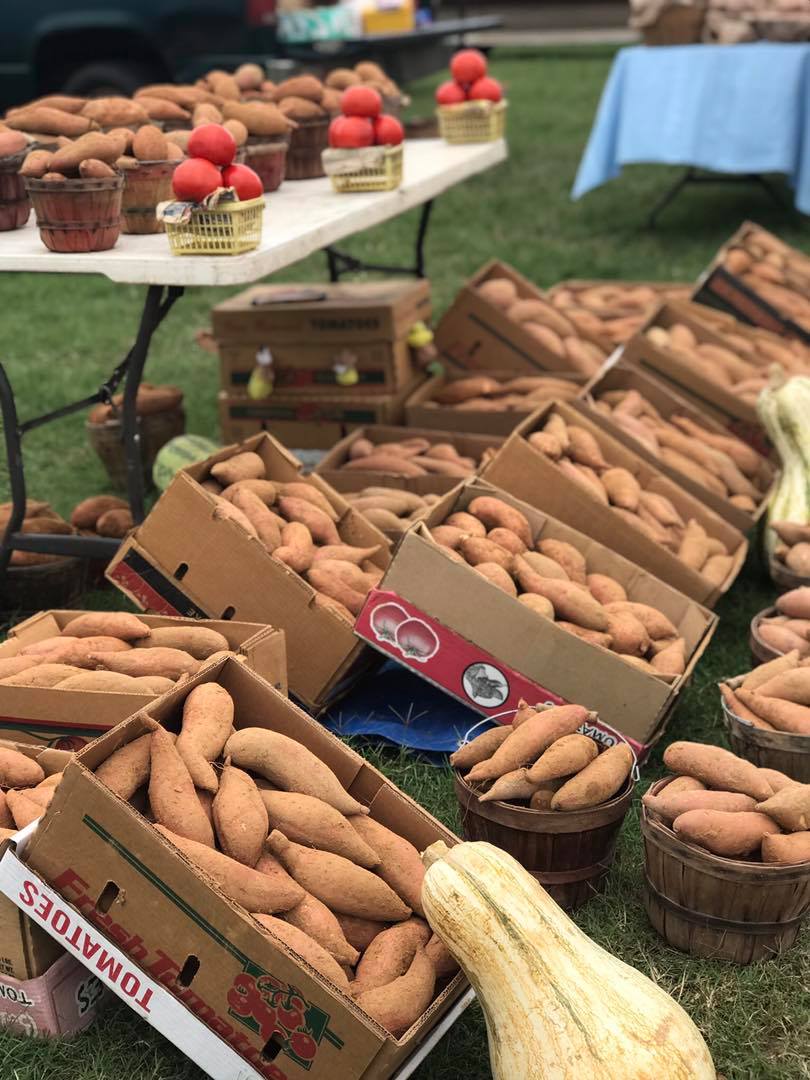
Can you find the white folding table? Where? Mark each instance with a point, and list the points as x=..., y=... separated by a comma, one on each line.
x=299, y=219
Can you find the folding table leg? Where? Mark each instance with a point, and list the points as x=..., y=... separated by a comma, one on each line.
x=340, y=263
x=11, y=433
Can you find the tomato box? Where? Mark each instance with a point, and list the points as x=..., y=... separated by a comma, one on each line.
x=61, y=1002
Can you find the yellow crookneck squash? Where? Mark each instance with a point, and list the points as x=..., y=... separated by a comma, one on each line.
x=557, y=1006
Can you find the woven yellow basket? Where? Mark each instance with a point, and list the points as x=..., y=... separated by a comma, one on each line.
x=231, y=228
x=386, y=177
x=472, y=121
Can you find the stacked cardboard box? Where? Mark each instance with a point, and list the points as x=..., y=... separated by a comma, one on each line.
x=339, y=358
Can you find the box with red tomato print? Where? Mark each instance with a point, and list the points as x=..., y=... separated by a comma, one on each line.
x=365, y=144
x=220, y=203
x=471, y=105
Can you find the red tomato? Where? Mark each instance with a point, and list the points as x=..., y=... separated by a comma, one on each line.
x=351, y=132
x=212, y=142
x=195, y=178
x=450, y=93
x=486, y=89
x=388, y=131
x=247, y=183
x=468, y=65
x=361, y=101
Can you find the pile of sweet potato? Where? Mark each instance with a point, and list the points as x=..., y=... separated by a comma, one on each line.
x=551, y=578
x=578, y=456
x=793, y=550
x=272, y=826
x=25, y=791
x=776, y=695
x=728, y=806
x=298, y=526
x=613, y=310
x=541, y=758
x=113, y=652
x=414, y=456
x=789, y=629
x=390, y=509
x=720, y=463
x=484, y=393
x=774, y=271
x=40, y=517
x=555, y=331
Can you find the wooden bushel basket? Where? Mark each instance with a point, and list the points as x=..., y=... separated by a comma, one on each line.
x=307, y=143
x=722, y=909
x=77, y=216
x=760, y=651
x=156, y=429
x=780, y=750
x=268, y=160
x=784, y=577
x=15, y=205
x=146, y=185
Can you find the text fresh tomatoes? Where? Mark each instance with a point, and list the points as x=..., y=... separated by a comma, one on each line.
x=195, y=178
x=246, y=183
x=361, y=101
x=212, y=142
x=467, y=66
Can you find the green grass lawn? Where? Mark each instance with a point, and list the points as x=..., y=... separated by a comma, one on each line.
x=60, y=337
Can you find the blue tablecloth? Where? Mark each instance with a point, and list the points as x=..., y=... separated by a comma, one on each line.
x=731, y=109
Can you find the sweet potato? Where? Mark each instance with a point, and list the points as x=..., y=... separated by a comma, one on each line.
x=290, y=766
x=570, y=602
x=526, y=742
x=127, y=769
x=732, y=834
x=605, y=589
x=593, y=637
x=42, y=675
x=306, y=948
x=48, y=121
x=267, y=490
x=320, y=525
x=114, y=523
x=480, y=748
x=243, y=466
x=265, y=524
x=468, y=523
x=777, y=779
x=240, y=817
x=672, y=659
x=109, y=682
x=694, y=547
x=754, y=679
x=170, y=663
x=786, y=850
x=345, y=553
x=684, y=783
x=622, y=488
x=257, y=892
x=495, y=513
x=76, y=651
x=544, y=566
x=781, y=715
x=6, y=820
x=795, y=603
x=654, y=621
x=444, y=963
x=628, y=634
x=448, y=536
x=497, y=576
x=670, y=806
x=514, y=785
x=660, y=507
x=14, y=665
x=398, y=1006
x=539, y=604
x=717, y=768
x=790, y=685
x=359, y=932
x=337, y=882
x=390, y=954
x=296, y=548
x=400, y=865
x=172, y=797
x=36, y=164
x=315, y=919
x=584, y=448
x=567, y=556
x=598, y=782
x=325, y=580
x=564, y=757
x=307, y=820
x=738, y=709
x=506, y=539
x=23, y=809
x=86, y=513
x=207, y=724
x=789, y=807
x=41, y=796
x=197, y=641
x=546, y=443
x=17, y=770
x=385, y=462
x=118, y=624
x=480, y=550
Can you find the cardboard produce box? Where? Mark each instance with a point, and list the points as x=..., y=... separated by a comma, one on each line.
x=26, y=952
x=488, y=650
x=176, y=925
x=329, y=468
x=423, y=411
x=63, y=1001
x=528, y=474
x=761, y=280
x=69, y=718
x=477, y=335
x=312, y=421
x=185, y=560
x=621, y=307
x=624, y=376
x=314, y=332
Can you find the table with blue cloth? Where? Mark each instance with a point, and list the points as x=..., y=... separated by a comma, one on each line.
x=731, y=109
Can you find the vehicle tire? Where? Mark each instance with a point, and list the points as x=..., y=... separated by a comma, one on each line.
x=108, y=78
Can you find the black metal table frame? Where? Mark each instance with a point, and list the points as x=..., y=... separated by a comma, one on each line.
x=160, y=299
x=693, y=175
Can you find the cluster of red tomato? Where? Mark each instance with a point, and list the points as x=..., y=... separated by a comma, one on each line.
x=363, y=123
x=209, y=166
x=470, y=81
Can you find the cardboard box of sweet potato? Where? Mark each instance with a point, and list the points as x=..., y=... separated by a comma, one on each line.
x=111, y=864
x=187, y=559
x=623, y=378
x=477, y=406
x=478, y=335
x=26, y=952
x=452, y=627
x=761, y=280
x=529, y=474
x=67, y=719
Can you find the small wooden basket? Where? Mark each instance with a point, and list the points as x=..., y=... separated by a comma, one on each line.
x=231, y=228
x=15, y=206
x=472, y=121
x=268, y=160
x=146, y=185
x=77, y=216
x=760, y=651
x=779, y=750
x=156, y=429
x=703, y=904
x=307, y=143
x=384, y=175
x=678, y=24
